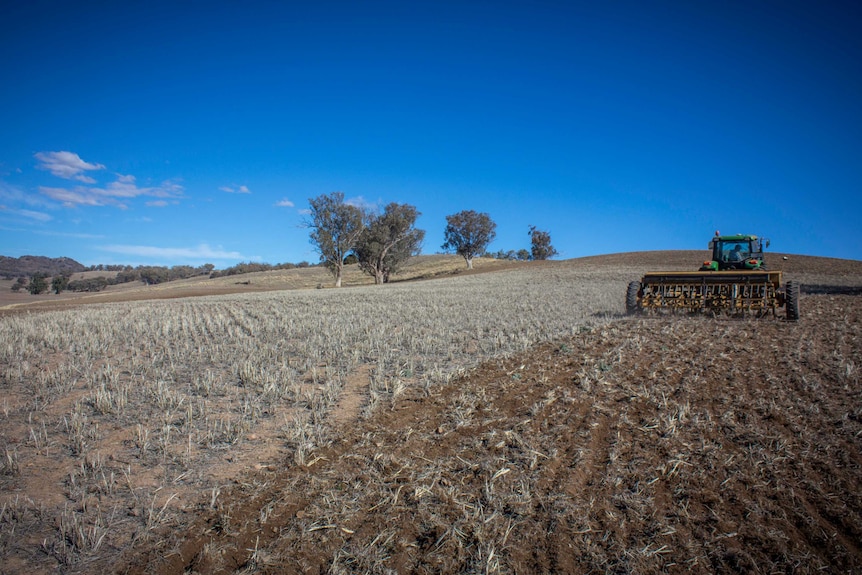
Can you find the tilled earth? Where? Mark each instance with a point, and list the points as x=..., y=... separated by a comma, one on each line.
x=651, y=445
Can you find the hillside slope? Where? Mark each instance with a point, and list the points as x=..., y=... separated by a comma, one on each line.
x=655, y=445
x=503, y=421
x=28, y=265
x=843, y=277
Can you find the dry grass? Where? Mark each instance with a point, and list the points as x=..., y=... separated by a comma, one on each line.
x=421, y=267
x=129, y=412
x=641, y=446
x=202, y=432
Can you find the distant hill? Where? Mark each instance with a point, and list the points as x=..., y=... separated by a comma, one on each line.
x=28, y=265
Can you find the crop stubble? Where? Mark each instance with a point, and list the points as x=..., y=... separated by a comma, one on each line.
x=119, y=417
x=206, y=433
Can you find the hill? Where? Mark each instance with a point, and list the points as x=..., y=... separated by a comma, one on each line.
x=419, y=268
x=645, y=446
x=512, y=420
x=811, y=271
x=29, y=265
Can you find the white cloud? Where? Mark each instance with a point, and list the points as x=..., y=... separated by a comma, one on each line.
x=285, y=203
x=235, y=189
x=362, y=203
x=14, y=195
x=70, y=166
x=112, y=195
x=125, y=187
x=67, y=165
x=38, y=216
x=157, y=203
x=200, y=252
x=70, y=235
x=78, y=197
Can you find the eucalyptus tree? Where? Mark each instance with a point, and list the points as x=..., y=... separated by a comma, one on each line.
x=336, y=227
x=388, y=241
x=468, y=233
x=541, y=248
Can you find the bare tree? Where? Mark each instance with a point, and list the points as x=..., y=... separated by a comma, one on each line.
x=388, y=240
x=468, y=233
x=541, y=245
x=335, y=230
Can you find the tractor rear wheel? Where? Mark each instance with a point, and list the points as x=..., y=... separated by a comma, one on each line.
x=791, y=301
x=632, y=306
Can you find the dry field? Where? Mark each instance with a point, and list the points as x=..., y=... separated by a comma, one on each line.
x=504, y=422
x=421, y=267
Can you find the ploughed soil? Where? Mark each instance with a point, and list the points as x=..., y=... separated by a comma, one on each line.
x=657, y=444
x=651, y=445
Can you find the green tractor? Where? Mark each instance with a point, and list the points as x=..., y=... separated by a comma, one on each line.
x=734, y=282
x=739, y=252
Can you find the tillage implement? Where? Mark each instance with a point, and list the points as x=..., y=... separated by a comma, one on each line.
x=735, y=281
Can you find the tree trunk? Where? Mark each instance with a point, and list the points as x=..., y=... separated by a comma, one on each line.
x=469, y=263
x=338, y=276
x=378, y=277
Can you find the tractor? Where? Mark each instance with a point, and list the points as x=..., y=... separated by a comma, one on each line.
x=735, y=281
x=739, y=252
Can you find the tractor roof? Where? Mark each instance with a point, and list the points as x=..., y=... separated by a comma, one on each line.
x=736, y=238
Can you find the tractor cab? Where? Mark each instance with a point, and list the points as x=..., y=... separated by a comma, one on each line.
x=739, y=252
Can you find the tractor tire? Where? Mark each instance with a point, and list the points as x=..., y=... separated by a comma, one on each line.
x=791, y=301
x=632, y=306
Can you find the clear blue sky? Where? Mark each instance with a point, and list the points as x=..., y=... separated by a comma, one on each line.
x=192, y=132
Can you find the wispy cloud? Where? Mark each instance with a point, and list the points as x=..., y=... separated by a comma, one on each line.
x=67, y=165
x=70, y=235
x=14, y=195
x=125, y=187
x=114, y=194
x=38, y=216
x=235, y=189
x=362, y=203
x=285, y=203
x=53, y=233
x=200, y=252
x=5, y=171
x=70, y=166
x=77, y=197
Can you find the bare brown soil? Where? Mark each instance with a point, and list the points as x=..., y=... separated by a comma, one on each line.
x=649, y=445
x=653, y=445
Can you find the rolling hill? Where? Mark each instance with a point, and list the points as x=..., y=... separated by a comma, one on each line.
x=509, y=420
x=28, y=265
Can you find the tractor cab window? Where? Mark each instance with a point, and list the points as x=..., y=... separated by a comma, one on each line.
x=735, y=251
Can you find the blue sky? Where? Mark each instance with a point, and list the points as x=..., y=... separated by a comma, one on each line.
x=192, y=132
